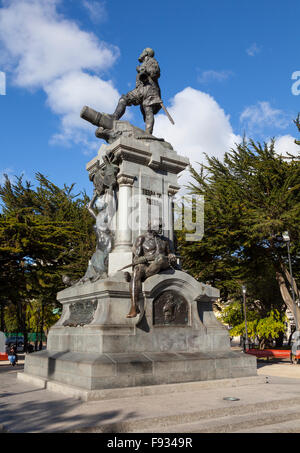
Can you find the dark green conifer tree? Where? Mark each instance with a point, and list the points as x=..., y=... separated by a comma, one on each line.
x=250, y=199
x=45, y=232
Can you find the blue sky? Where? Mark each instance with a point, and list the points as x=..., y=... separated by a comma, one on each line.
x=226, y=69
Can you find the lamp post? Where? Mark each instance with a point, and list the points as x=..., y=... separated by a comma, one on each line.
x=245, y=316
x=286, y=238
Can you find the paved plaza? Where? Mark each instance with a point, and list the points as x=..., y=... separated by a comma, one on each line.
x=268, y=402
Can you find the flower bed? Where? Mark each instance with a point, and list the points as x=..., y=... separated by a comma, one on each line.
x=278, y=353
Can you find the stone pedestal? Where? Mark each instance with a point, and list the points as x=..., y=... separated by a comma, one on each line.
x=109, y=350
x=176, y=338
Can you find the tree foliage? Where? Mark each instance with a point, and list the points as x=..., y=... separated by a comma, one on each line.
x=251, y=197
x=40, y=317
x=263, y=329
x=297, y=122
x=45, y=231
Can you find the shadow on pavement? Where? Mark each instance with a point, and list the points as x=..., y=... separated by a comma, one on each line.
x=7, y=367
x=24, y=409
x=42, y=416
x=265, y=363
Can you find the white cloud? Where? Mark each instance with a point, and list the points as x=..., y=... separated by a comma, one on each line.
x=253, y=50
x=47, y=51
x=262, y=115
x=45, y=46
x=286, y=144
x=68, y=94
x=96, y=10
x=212, y=75
x=201, y=126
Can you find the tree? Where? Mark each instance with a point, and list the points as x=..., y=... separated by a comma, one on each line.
x=264, y=329
x=40, y=318
x=44, y=232
x=297, y=122
x=250, y=198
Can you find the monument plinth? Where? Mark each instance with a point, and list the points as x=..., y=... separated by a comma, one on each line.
x=136, y=318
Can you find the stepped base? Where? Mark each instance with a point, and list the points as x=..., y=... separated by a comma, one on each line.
x=129, y=392
x=95, y=347
x=115, y=370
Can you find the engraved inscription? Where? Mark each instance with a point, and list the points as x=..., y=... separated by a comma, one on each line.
x=151, y=193
x=153, y=202
x=170, y=308
x=81, y=313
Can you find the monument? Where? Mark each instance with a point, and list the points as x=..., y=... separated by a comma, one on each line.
x=2, y=343
x=136, y=318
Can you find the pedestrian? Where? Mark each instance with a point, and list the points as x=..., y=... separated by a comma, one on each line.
x=12, y=355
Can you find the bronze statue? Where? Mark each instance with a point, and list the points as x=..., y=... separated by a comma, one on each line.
x=146, y=94
x=147, y=91
x=105, y=179
x=97, y=267
x=105, y=182
x=151, y=254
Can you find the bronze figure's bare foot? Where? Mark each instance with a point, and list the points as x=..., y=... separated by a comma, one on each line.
x=134, y=311
x=132, y=314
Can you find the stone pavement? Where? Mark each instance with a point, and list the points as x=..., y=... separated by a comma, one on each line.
x=267, y=403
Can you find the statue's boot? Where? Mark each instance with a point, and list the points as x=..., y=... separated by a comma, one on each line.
x=149, y=120
x=120, y=109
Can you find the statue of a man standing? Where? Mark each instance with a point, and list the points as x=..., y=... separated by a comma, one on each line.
x=146, y=94
x=147, y=91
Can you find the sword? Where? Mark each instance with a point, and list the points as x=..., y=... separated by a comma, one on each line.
x=167, y=113
x=126, y=267
x=135, y=264
x=161, y=102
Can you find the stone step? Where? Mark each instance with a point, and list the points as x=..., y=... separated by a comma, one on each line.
x=258, y=422
x=229, y=419
x=288, y=427
x=128, y=392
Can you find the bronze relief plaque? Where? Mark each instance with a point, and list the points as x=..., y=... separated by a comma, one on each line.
x=81, y=313
x=170, y=309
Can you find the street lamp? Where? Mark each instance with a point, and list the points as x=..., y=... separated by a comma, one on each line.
x=245, y=316
x=286, y=238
